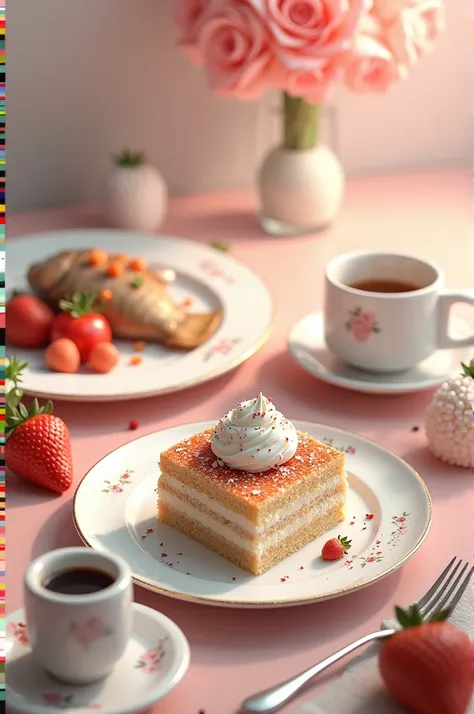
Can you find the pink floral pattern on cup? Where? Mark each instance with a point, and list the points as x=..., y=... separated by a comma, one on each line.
x=150, y=661
x=362, y=324
x=118, y=486
x=19, y=632
x=89, y=631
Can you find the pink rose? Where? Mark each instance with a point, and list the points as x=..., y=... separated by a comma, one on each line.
x=360, y=329
x=236, y=48
x=19, y=632
x=152, y=668
x=150, y=656
x=371, y=67
x=368, y=318
x=187, y=16
x=312, y=84
x=306, y=30
x=415, y=30
x=53, y=699
x=89, y=631
x=116, y=489
x=389, y=10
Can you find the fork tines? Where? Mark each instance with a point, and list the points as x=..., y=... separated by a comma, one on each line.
x=448, y=589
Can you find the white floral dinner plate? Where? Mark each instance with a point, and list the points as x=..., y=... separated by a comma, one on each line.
x=387, y=518
x=308, y=348
x=208, y=278
x=155, y=661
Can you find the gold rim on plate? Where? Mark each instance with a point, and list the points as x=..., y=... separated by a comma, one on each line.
x=255, y=604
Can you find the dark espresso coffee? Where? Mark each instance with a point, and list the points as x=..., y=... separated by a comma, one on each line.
x=375, y=285
x=79, y=581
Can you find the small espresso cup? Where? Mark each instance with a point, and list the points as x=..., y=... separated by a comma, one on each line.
x=78, y=612
x=385, y=312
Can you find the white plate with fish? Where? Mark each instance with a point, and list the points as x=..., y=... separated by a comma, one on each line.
x=388, y=516
x=217, y=294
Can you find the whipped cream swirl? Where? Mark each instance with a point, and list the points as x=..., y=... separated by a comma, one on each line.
x=254, y=437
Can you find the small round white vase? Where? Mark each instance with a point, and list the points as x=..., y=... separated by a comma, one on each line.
x=136, y=198
x=301, y=191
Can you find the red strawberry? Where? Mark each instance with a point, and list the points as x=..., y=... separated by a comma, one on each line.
x=428, y=667
x=39, y=446
x=335, y=548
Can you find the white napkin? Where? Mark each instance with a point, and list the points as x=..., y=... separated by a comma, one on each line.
x=360, y=690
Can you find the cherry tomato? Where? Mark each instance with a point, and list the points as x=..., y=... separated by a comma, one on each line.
x=86, y=331
x=28, y=321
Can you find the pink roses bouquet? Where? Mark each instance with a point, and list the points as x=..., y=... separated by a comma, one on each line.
x=304, y=47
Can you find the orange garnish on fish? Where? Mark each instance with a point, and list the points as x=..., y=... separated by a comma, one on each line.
x=115, y=268
x=139, y=346
x=106, y=295
x=138, y=265
x=98, y=257
x=123, y=257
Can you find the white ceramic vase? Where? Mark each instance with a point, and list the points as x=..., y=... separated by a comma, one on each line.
x=301, y=191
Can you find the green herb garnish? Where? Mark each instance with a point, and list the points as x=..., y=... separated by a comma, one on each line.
x=80, y=304
x=220, y=245
x=137, y=282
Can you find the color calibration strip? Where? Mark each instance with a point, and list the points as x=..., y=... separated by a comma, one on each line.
x=2, y=354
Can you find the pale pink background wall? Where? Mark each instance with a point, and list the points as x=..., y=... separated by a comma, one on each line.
x=87, y=77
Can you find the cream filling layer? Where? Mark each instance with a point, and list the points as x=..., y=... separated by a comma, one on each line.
x=260, y=545
x=238, y=519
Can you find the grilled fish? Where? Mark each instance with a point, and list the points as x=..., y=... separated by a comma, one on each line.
x=139, y=308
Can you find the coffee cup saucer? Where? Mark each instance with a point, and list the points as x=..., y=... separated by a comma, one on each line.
x=308, y=348
x=156, y=659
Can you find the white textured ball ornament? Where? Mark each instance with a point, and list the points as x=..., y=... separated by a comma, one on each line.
x=449, y=422
x=136, y=195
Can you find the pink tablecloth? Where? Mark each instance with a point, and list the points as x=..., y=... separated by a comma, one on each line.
x=235, y=653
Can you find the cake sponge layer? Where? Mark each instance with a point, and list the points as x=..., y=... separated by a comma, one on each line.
x=248, y=560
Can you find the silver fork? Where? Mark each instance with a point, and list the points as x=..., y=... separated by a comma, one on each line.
x=445, y=593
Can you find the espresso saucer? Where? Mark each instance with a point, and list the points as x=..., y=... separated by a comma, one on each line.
x=308, y=348
x=155, y=660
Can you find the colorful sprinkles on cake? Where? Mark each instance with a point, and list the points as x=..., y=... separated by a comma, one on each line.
x=254, y=437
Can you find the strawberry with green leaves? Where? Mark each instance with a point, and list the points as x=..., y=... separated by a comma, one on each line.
x=38, y=446
x=428, y=666
x=335, y=548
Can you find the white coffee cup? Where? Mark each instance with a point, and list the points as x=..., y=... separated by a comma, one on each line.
x=388, y=331
x=78, y=638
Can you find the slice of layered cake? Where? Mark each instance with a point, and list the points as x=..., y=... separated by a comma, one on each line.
x=252, y=488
